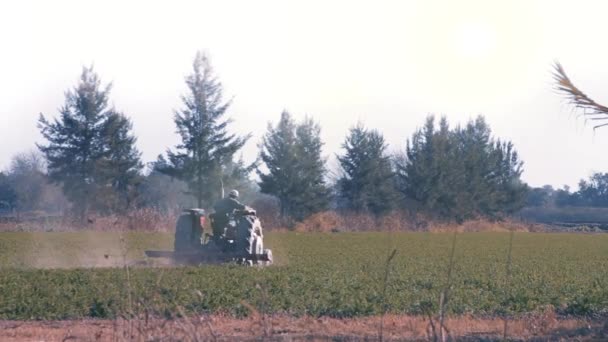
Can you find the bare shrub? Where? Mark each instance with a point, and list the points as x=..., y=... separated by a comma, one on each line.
x=542, y=321
x=326, y=221
x=354, y=222
x=331, y=221
x=152, y=220
x=399, y=221
x=144, y=219
x=268, y=210
x=480, y=225
x=148, y=219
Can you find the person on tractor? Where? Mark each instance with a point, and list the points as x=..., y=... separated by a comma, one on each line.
x=224, y=209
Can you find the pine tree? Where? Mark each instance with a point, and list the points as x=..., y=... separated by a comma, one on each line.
x=291, y=153
x=205, y=155
x=235, y=175
x=278, y=153
x=367, y=183
x=421, y=178
x=312, y=195
x=86, y=143
x=477, y=194
x=492, y=185
x=461, y=173
x=120, y=168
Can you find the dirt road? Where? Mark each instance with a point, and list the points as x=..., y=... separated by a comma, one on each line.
x=285, y=328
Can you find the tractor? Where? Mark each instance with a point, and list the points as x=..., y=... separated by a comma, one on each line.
x=239, y=241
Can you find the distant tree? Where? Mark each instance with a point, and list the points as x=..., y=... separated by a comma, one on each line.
x=291, y=153
x=563, y=197
x=205, y=157
x=509, y=191
x=595, y=111
x=33, y=189
x=8, y=196
x=367, y=183
x=461, y=173
x=540, y=197
x=592, y=192
x=90, y=149
x=27, y=176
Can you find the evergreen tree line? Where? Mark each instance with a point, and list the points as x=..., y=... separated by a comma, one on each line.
x=90, y=153
x=452, y=174
x=462, y=172
x=592, y=192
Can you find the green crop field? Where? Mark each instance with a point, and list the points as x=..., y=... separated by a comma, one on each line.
x=339, y=275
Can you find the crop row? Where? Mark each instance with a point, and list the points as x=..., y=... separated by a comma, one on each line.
x=339, y=275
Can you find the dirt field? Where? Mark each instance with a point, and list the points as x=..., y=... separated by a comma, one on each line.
x=282, y=328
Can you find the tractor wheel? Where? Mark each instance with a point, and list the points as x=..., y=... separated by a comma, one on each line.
x=248, y=240
x=183, y=234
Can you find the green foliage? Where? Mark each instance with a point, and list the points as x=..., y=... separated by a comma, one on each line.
x=91, y=151
x=540, y=197
x=278, y=153
x=291, y=152
x=121, y=165
x=339, y=275
x=205, y=157
x=367, y=183
x=8, y=196
x=461, y=173
x=592, y=192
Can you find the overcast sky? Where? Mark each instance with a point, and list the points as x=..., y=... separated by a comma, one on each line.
x=385, y=64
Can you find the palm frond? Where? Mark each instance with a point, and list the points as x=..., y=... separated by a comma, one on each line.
x=577, y=98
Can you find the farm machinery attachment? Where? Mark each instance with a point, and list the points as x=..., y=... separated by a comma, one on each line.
x=239, y=240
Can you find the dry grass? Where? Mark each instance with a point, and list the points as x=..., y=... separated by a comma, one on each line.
x=480, y=225
x=331, y=221
x=145, y=219
x=150, y=220
x=542, y=326
x=320, y=222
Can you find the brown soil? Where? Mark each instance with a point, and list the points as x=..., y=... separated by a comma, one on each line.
x=285, y=328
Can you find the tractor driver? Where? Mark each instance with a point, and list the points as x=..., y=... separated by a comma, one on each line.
x=223, y=209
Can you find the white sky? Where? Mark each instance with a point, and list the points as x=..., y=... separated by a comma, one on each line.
x=386, y=64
